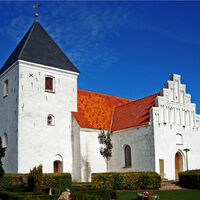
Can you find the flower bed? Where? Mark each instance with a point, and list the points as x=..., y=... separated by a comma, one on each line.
x=147, y=195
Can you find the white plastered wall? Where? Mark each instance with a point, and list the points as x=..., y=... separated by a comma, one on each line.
x=91, y=160
x=141, y=141
x=38, y=142
x=9, y=117
x=76, y=151
x=175, y=114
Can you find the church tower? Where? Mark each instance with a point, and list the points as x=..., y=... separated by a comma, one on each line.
x=38, y=92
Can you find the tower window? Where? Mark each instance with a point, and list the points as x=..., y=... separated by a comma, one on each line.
x=49, y=84
x=50, y=120
x=5, y=88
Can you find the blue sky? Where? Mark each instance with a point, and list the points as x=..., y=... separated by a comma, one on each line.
x=125, y=48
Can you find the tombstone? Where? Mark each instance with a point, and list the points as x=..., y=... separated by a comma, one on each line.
x=50, y=191
x=64, y=195
x=23, y=180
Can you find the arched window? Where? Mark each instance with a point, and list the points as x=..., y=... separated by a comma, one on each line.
x=127, y=151
x=5, y=140
x=50, y=120
x=179, y=139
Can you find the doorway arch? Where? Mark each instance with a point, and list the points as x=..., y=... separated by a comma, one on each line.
x=57, y=166
x=178, y=164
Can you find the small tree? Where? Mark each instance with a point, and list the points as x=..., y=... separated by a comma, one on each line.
x=106, y=150
x=2, y=154
x=35, y=179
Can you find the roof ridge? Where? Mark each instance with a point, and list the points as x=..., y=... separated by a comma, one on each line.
x=136, y=100
x=106, y=94
x=31, y=29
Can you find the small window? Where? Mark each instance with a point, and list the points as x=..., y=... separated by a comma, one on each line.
x=5, y=88
x=127, y=151
x=5, y=140
x=179, y=139
x=50, y=120
x=49, y=84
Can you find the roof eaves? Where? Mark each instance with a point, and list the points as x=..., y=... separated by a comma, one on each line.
x=137, y=125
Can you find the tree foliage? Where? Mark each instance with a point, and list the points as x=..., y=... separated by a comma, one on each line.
x=2, y=154
x=35, y=179
x=105, y=140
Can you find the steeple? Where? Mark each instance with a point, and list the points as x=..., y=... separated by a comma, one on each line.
x=38, y=47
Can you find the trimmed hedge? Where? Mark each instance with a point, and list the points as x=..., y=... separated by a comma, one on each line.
x=59, y=181
x=130, y=180
x=12, y=182
x=5, y=195
x=92, y=194
x=55, y=181
x=190, y=179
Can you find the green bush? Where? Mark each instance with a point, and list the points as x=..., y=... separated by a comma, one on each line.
x=57, y=181
x=190, y=179
x=130, y=180
x=12, y=181
x=35, y=179
x=5, y=195
x=92, y=194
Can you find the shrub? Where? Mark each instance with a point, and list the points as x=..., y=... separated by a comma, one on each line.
x=35, y=179
x=130, y=180
x=12, y=181
x=190, y=179
x=92, y=194
x=57, y=181
x=5, y=195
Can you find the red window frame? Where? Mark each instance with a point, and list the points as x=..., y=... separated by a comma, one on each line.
x=49, y=83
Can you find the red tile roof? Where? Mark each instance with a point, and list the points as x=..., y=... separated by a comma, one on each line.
x=136, y=113
x=95, y=109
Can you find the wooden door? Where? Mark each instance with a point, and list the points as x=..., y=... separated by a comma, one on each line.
x=162, y=172
x=177, y=164
x=55, y=165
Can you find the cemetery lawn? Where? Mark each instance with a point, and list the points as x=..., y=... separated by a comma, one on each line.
x=165, y=195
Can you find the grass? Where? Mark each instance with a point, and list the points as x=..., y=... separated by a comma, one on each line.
x=165, y=195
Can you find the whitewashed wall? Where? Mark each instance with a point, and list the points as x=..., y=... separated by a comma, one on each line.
x=38, y=142
x=91, y=160
x=9, y=117
x=141, y=141
x=174, y=115
x=76, y=151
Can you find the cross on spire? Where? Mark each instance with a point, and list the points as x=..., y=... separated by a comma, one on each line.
x=36, y=6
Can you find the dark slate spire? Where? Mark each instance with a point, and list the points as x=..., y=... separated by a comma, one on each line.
x=38, y=47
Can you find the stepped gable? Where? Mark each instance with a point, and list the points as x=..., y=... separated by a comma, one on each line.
x=95, y=109
x=38, y=47
x=136, y=113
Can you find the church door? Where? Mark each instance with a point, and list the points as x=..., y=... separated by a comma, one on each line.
x=58, y=166
x=178, y=164
x=55, y=165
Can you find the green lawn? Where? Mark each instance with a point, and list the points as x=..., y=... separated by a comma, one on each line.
x=165, y=195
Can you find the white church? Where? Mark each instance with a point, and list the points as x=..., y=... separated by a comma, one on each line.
x=46, y=120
